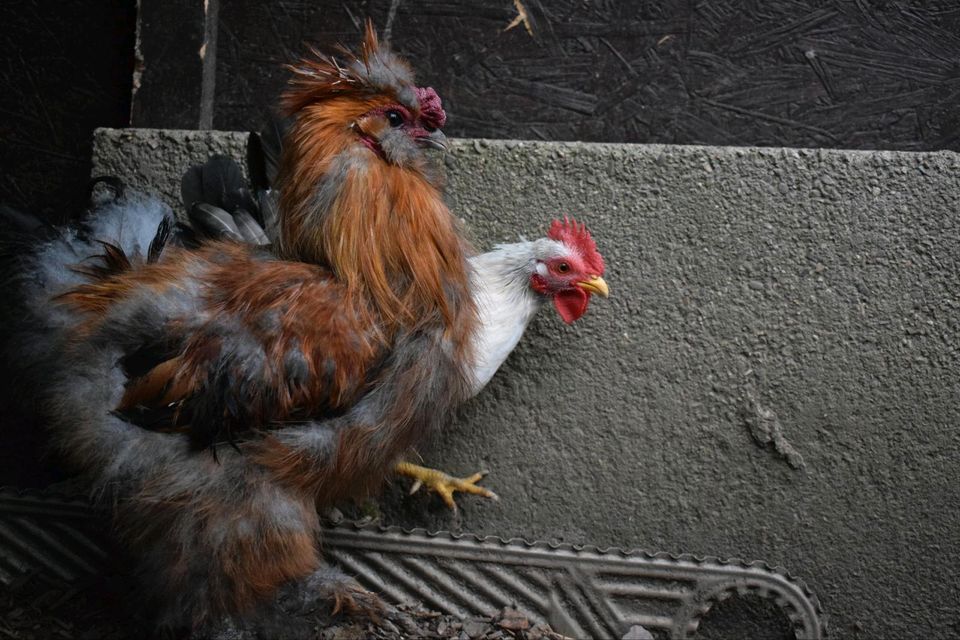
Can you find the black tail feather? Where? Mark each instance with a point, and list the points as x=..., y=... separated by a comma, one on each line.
x=160, y=240
x=263, y=152
x=220, y=206
x=213, y=222
x=217, y=182
x=250, y=229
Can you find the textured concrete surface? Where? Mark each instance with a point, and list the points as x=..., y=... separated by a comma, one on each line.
x=775, y=376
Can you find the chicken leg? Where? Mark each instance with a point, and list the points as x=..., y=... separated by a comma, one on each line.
x=443, y=484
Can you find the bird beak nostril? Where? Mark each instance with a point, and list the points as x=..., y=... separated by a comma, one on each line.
x=595, y=284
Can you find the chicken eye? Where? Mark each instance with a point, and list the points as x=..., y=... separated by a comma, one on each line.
x=395, y=118
x=563, y=267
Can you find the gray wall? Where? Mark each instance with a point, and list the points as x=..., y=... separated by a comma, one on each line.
x=775, y=376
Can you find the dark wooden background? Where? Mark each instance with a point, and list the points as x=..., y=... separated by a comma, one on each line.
x=848, y=73
x=65, y=68
x=863, y=74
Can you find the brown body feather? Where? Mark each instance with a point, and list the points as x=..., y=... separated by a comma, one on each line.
x=285, y=306
x=364, y=328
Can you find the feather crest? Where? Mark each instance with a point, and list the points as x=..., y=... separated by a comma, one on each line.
x=375, y=70
x=576, y=236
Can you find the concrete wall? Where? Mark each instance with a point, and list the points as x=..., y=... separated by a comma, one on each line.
x=775, y=376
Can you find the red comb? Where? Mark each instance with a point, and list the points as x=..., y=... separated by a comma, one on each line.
x=576, y=236
x=431, y=109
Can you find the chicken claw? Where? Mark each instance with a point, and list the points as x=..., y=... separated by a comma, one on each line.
x=443, y=484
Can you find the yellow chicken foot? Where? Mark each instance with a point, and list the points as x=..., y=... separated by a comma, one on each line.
x=442, y=484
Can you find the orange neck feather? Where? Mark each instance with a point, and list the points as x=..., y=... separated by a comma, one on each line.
x=387, y=233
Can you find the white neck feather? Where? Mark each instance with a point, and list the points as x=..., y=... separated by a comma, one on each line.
x=505, y=304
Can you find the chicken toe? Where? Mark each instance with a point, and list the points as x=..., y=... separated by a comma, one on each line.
x=443, y=484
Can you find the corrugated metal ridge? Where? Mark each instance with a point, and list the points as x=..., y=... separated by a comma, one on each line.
x=580, y=590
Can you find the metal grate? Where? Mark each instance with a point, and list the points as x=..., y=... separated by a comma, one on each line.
x=579, y=591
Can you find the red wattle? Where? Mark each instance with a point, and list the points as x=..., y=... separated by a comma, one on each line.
x=571, y=304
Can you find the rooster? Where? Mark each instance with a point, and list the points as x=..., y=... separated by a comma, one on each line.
x=320, y=365
x=509, y=284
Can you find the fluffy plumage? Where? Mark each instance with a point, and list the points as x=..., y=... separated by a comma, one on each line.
x=395, y=241
x=322, y=366
x=509, y=284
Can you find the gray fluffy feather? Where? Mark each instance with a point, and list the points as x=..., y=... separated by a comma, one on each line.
x=36, y=328
x=130, y=469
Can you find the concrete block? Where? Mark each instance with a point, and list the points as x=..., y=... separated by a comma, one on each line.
x=775, y=376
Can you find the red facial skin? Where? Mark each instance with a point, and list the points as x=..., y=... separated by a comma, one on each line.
x=561, y=282
x=430, y=118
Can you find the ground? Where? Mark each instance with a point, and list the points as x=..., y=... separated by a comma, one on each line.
x=38, y=609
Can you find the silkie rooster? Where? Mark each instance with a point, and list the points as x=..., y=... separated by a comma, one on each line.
x=321, y=367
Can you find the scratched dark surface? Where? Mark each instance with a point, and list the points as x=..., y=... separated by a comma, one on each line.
x=65, y=68
x=843, y=74
x=169, y=88
x=846, y=73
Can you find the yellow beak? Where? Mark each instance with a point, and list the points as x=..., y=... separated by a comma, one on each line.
x=596, y=284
